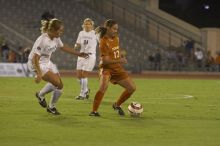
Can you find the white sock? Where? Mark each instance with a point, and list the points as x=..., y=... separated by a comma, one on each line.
x=84, y=86
x=54, y=98
x=80, y=83
x=46, y=89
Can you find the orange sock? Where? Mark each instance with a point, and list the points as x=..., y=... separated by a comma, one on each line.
x=124, y=96
x=97, y=100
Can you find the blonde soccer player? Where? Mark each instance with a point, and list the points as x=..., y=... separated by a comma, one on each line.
x=86, y=42
x=40, y=63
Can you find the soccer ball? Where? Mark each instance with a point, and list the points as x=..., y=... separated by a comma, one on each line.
x=135, y=109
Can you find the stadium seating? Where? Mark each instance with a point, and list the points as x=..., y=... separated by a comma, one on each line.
x=24, y=18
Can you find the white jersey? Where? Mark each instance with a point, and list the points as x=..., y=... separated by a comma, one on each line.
x=88, y=41
x=44, y=47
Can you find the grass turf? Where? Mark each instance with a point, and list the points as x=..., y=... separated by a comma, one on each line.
x=171, y=117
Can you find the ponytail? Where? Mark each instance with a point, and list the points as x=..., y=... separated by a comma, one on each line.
x=44, y=26
x=52, y=24
x=101, y=31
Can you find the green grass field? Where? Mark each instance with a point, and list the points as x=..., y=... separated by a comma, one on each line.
x=176, y=113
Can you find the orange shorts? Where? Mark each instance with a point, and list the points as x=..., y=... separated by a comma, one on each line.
x=115, y=75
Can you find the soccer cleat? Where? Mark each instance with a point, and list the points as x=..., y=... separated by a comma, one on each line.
x=53, y=111
x=95, y=114
x=80, y=97
x=119, y=109
x=87, y=94
x=42, y=102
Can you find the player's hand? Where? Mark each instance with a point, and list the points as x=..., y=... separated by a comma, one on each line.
x=84, y=55
x=38, y=78
x=123, y=60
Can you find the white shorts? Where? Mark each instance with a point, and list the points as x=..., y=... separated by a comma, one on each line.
x=44, y=67
x=86, y=64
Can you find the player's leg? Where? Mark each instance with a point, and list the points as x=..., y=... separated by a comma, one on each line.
x=79, y=77
x=40, y=95
x=46, y=89
x=82, y=77
x=130, y=88
x=89, y=64
x=104, y=81
x=79, y=68
x=55, y=80
x=84, y=86
x=85, y=66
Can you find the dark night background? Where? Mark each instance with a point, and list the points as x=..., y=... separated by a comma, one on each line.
x=200, y=13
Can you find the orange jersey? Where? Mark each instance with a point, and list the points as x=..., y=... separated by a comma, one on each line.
x=110, y=47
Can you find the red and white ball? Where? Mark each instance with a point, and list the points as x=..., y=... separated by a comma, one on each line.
x=135, y=109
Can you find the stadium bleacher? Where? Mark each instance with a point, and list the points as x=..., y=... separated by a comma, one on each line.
x=23, y=19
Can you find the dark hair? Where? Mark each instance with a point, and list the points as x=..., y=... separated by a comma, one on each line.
x=101, y=30
x=47, y=15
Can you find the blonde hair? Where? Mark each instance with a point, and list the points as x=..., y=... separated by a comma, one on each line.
x=90, y=20
x=53, y=24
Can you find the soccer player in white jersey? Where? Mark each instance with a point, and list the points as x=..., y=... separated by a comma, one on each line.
x=86, y=42
x=39, y=62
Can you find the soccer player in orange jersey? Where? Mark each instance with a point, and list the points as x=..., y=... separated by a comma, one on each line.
x=111, y=69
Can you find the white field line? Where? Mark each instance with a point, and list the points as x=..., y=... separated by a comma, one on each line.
x=177, y=97
x=143, y=102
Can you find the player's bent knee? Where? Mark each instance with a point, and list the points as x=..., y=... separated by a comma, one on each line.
x=60, y=91
x=60, y=86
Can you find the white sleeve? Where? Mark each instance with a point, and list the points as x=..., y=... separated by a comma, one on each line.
x=59, y=43
x=78, y=41
x=39, y=47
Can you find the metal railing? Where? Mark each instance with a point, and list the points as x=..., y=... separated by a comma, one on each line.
x=145, y=23
x=15, y=34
